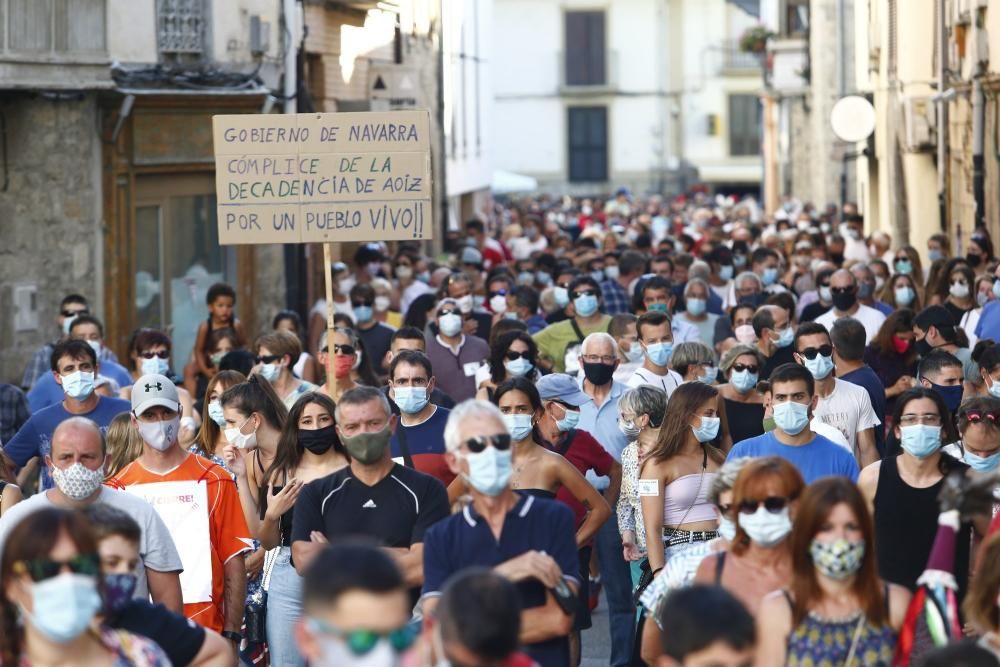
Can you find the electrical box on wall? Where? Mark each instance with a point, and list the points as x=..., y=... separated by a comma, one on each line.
x=260, y=36
x=712, y=125
x=25, y=307
x=919, y=117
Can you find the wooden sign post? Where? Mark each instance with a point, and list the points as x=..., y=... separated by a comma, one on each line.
x=323, y=178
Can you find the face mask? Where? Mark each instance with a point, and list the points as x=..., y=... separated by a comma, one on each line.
x=424, y=276
x=973, y=260
x=659, y=353
x=586, y=305
x=739, y=261
x=342, y=366
x=160, y=435
x=629, y=429
x=727, y=528
x=519, y=426
x=78, y=481
x=568, y=422
x=118, y=590
x=879, y=283
x=996, y=288
x=270, y=372
x=216, y=358
x=237, y=439
x=745, y=334
x=466, y=303
x=318, y=440
x=562, y=296
x=154, y=366
x=770, y=276
x=490, y=470
x=519, y=367
x=336, y=653
x=696, y=307
x=825, y=294
x=598, y=374
x=901, y=345
x=382, y=303
x=67, y=324
x=981, y=463
x=96, y=346
x=63, y=606
x=904, y=266
x=920, y=440
x=765, y=528
x=611, y=272
x=844, y=301
x=952, y=396
x=635, y=352
x=743, y=381
x=934, y=254
x=959, y=290
x=525, y=278
x=708, y=429
x=865, y=290
x=710, y=376
x=785, y=338
x=820, y=366
x=368, y=448
x=410, y=400
x=215, y=413
x=363, y=313
x=981, y=299
x=373, y=268
x=726, y=272
x=598, y=276
x=543, y=278
x=838, y=559
x=404, y=272
x=450, y=324
x=498, y=303
x=78, y=385
x=791, y=417
x=904, y=296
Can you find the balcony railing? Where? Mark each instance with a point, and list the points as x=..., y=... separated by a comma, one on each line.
x=584, y=73
x=736, y=61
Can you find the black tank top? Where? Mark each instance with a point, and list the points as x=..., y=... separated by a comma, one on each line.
x=906, y=524
x=746, y=420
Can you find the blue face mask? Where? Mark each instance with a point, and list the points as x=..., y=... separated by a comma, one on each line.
x=696, y=307
x=215, y=413
x=526, y=278
x=904, y=296
x=118, y=590
x=270, y=372
x=63, y=607
x=710, y=376
x=598, y=276
x=155, y=366
x=920, y=440
x=744, y=381
x=543, y=278
x=586, y=305
x=785, y=338
x=78, y=385
x=820, y=366
x=659, y=353
x=570, y=421
x=934, y=254
x=952, y=396
x=490, y=470
x=519, y=367
x=904, y=266
x=562, y=296
x=739, y=261
x=982, y=463
x=657, y=307
x=519, y=426
x=410, y=400
x=770, y=276
x=791, y=417
x=726, y=272
x=363, y=313
x=708, y=430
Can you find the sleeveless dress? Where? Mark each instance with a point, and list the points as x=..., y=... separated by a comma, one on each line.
x=819, y=642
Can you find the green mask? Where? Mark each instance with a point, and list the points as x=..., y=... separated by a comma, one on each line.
x=216, y=358
x=368, y=448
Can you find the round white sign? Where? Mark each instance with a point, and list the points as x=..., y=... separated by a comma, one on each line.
x=853, y=118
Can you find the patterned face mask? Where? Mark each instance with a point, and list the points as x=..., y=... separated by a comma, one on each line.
x=838, y=559
x=78, y=481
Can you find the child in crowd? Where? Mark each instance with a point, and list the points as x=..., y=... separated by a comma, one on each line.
x=221, y=299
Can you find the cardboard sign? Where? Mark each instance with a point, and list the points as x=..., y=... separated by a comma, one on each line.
x=323, y=177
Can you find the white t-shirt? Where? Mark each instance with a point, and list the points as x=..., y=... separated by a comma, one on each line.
x=684, y=332
x=870, y=319
x=156, y=547
x=320, y=308
x=830, y=433
x=848, y=409
x=667, y=382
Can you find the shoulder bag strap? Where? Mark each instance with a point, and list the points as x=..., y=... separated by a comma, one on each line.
x=854, y=641
x=404, y=446
x=720, y=563
x=576, y=328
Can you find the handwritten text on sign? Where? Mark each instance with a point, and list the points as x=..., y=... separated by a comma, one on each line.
x=304, y=178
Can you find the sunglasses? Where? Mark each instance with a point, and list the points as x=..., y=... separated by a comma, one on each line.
x=739, y=368
x=501, y=441
x=842, y=290
x=588, y=292
x=268, y=359
x=357, y=304
x=149, y=355
x=41, y=569
x=511, y=355
x=361, y=642
x=499, y=292
x=73, y=313
x=811, y=352
x=975, y=417
x=772, y=504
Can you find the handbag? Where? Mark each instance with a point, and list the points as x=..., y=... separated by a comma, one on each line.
x=255, y=611
x=645, y=579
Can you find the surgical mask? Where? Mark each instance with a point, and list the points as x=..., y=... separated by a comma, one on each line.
x=410, y=400
x=96, y=346
x=363, y=313
x=820, y=366
x=865, y=290
x=959, y=290
x=785, y=338
x=708, y=430
x=78, y=481
x=404, y=272
x=745, y=334
x=63, y=607
x=519, y=367
x=612, y=272
x=368, y=448
x=519, y=426
x=904, y=296
x=726, y=271
x=67, y=324
x=791, y=417
x=543, y=278
x=336, y=653
x=710, y=376
x=727, y=528
x=982, y=463
x=450, y=324
x=598, y=276
x=951, y=395
x=424, y=276
x=216, y=358
x=270, y=372
x=118, y=590
x=586, y=305
x=568, y=422
x=635, y=352
x=920, y=440
x=659, y=353
x=739, y=261
x=770, y=276
x=498, y=303
x=879, y=283
x=236, y=437
x=562, y=296
x=904, y=266
x=934, y=254
x=160, y=435
x=78, y=385
x=318, y=440
x=825, y=294
x=490, y=470
x=629, y=429
x=382, y=303
x=743, y=381
x=838, y=559
x=764, y=528
x=981, y=299
x=215, y=413
x=696, y=307
x=466, y=303
x=525, y=278
x=374, y=268
x=154, y=366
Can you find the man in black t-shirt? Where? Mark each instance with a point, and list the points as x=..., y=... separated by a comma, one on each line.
x=374, y=496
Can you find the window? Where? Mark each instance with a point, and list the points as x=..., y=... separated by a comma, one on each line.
x=588, y=144
x=46, y=27
x=180, y=29
x=585, y=56
x=744, y=125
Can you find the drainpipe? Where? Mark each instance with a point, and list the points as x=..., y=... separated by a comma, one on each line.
x=288, y=91
x=978, y=174
x=842, y=90
x=942, y=116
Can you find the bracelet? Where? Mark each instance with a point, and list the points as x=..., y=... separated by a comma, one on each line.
x=232, y=635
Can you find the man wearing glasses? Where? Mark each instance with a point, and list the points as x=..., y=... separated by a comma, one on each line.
x=456, y=355
x=418, y=441
x=556, y=339
x=844, y=289
x=528, y=540
x=793, y=399
x=840, y=404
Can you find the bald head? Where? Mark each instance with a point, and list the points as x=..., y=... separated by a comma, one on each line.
x=74, y=437
x=843, y=278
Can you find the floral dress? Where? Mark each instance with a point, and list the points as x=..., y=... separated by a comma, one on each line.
x=821, y=642
x=127, y=650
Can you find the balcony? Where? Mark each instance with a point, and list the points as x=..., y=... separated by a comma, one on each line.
x=54, y=44
x=736, y=62
x=788, y=66
x=586, y=73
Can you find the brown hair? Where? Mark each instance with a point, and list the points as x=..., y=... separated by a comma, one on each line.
x=283, y=343
x=815, y=506
x=980, y=604
x=900, y=321
x=681, y=407
x=209, y=432
x=34, y=537
x=752, y=483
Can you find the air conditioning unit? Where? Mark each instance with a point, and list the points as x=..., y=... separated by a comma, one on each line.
x=920, y=121
x=260, y=36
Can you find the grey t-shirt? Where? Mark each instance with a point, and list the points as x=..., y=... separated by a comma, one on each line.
x=156, y=547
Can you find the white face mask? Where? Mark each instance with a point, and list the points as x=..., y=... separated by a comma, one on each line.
x=766, y=528
x=237, y=439
x=160, y=435
x=382, y=303
x=78, y=481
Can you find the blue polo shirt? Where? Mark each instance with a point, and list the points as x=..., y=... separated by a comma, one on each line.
x=602, y=422
x=465, y=540
x=989, y=321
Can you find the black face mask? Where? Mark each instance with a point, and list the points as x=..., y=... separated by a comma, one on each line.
x=598, y=374
x=318, y=441
x=837, y=258
x=922, y=347
x=974, y=260
x=844, y=301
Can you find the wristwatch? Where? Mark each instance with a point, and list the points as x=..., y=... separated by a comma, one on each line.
x=232, y=636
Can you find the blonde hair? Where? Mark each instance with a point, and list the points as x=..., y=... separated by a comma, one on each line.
x=124, y=444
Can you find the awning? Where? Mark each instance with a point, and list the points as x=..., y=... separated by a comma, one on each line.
x=506, y=182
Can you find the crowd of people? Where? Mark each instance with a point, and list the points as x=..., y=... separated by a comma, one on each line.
x=760, y=439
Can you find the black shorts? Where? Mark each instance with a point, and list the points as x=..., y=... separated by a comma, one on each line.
x=582, y=620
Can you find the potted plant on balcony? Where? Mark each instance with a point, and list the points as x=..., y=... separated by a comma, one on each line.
x=754, y=40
